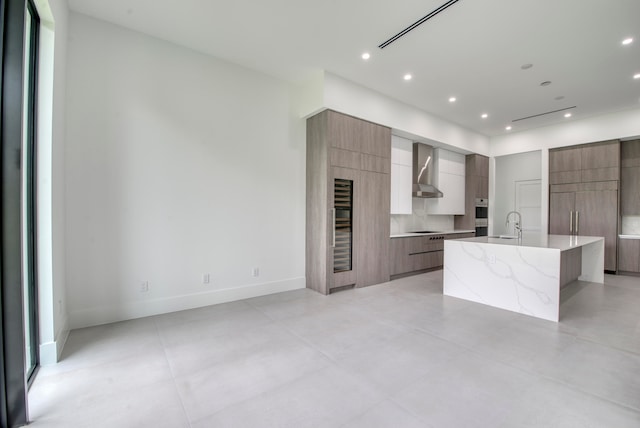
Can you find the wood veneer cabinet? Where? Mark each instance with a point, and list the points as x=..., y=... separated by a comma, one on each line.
x=411, y=255
x=630, y=178
x=584, y=193
x=585, y=163
x=629, y=255
x=357, y=155
x=476, y=186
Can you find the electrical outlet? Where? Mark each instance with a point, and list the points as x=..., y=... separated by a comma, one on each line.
x=206, y=278
x=255, y=272
x=144, y=286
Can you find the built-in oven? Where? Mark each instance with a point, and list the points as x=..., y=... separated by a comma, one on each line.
x=482, y=217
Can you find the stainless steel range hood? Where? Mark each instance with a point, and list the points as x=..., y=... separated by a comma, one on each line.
x=422, y=172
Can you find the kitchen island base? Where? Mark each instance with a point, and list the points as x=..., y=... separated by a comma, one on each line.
x=523, y=276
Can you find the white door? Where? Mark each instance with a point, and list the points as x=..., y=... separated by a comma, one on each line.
x=529, y=204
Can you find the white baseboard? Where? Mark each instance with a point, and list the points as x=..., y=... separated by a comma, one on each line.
x=50, y=352
x=144, y=308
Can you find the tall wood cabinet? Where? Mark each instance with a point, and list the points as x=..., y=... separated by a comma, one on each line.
x=348, y=197
x=629, y=241
x=584, y=193
x=476, y=186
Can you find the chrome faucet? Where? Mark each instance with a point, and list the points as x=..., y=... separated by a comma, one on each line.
x=518, y=223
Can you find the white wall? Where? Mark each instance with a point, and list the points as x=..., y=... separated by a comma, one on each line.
x=623, y=124
x=52, y=315
x=350, y=98
x=508, y=170
x=619, y=125
x=177, y=164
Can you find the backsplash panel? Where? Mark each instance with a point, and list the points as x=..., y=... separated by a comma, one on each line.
x=630, y=225
x=420, y=220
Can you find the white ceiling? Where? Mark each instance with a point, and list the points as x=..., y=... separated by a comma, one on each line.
x=473, y=50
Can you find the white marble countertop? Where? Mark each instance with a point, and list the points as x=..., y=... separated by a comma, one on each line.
x=538, y=240
x=444, y=232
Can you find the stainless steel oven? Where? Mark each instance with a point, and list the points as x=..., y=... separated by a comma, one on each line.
x=482, y=217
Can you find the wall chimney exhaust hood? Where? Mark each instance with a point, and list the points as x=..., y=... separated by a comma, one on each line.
x=423, y=171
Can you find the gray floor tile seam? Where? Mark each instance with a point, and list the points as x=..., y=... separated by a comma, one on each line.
x=409, y=411
x=177, y=390
x=213, y=336
x=589, y=393
x=306, y=342
x=159, y=323
x=326, y=306
x=607, y=345
x=373, y=406
x=96, y=365
x=241, y=402
x=542, y=375
x=391, y=394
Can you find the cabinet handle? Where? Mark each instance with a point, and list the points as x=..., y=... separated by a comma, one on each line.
x=577, y=222
x=333, y=228
x=570, y=222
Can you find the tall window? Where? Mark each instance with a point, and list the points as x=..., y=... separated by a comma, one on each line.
x=29, y=140
x=17, y=84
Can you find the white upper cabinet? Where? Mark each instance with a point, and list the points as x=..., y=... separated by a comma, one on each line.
x=448, y=177
x=401, y=175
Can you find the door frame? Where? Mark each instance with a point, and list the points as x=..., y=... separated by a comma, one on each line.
x=13, y=396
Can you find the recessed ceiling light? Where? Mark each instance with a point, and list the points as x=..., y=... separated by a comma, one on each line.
x=567, y=115
x=366, y=56
x=636, y=76
x=408, y=77
x=484, y=115
x=627, y=41
x=452, y=99
x=526, y=66
x=508, y=128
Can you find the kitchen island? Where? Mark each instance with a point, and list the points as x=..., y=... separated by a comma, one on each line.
x=521, y=275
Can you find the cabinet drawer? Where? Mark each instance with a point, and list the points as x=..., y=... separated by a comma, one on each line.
x=460, y=235
x=426, y=260
x=413, y=254
x=425, y=244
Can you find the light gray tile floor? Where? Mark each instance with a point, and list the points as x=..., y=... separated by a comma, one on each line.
x=398, y=354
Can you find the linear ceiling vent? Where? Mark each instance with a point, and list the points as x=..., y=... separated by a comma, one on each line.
x=418, y=23
x=542, y=114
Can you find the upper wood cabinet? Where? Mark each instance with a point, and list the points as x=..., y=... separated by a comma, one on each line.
x=345, y=133
x=375, y=140
x=630, y=178
x=585, y=163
